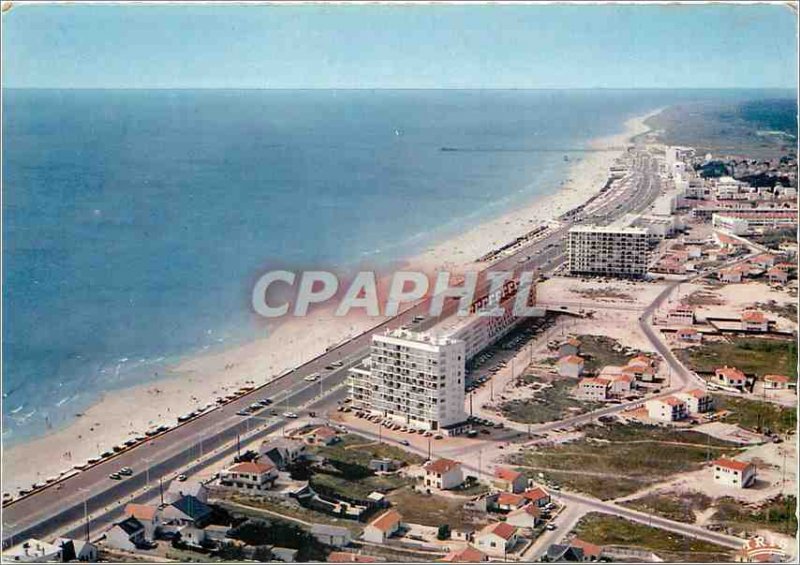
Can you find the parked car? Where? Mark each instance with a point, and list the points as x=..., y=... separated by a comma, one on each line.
x=126, y=471
x=115, y=476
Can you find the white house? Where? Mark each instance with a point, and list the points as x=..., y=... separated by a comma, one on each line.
x=730, y=472
x=776, y=382
x=593, y=388
x=187, y=511
x=689, y=335
x=730, y=377
x=149, y=516
x=383, y=527
x=570, y=366
x=497, y=539
x=282, y=451
x=681, y=314
x=250, y=475
x=127, y=535
x=777, y=275
x=697, y=400
x=178, y=490
x=32, y=551
x=509, y=479
x=334, y=536
x=731, y=275
x=668, y=409
x=537, y=496
x=526, y=517
x=754, y=321
x=443, y=474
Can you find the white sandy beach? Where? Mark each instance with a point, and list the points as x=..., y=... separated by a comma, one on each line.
x=199, y=380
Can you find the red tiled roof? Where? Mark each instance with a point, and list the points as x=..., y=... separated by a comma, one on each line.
x=467, y=555
x=535, y=494
x=387, y=520
x=571, y=360
x=776, y=378
x=347, y=557
x=672, y=401
x=253, y=467
x=441, y=466
x=732, y=464
x=730, y=373
x=507, y=474
x=589, y=549
x=324, y=432
x=530, y=509
x=509, y=499
x=505, y=531
x=144, y=512
x=594, y=381
x=697, y=393
x=753, y=316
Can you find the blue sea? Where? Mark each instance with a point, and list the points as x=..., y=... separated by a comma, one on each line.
x=135, y=221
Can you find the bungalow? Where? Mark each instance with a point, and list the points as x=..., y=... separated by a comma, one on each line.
x=754, y=321
x=250, y=476
x=32, y=551
x=730, y=472
x=777, y=275
x=127, y=535
x=689, y=335
x=776, y=382
x=537, y=496
x=443, y=474
x=622, y=384
x=497, y=539
x=509, y=480
x=467, y=555
x=335, y=536
x=570, y=346
x=323, y=435
x=731, y=377
x=763, y=261
x=149, y=516
x=593, y=388
x=570, y=366
x=668, y=409
x=282, y=451
x=186, y=511
x=640, y=367
x=526, y=517
x=697, y=400
x=507, y=502
x=383, y=527
x=76, y=550
x=591, y=552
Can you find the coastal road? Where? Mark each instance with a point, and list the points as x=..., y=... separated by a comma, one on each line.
x=61, y=503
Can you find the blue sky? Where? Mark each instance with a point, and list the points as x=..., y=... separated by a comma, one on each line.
x=450, y=46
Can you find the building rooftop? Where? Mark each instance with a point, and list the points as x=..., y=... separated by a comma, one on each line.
x=732, y=464
x=253, y=467
x=387, y=521
x=441, y=466
x=505, y=531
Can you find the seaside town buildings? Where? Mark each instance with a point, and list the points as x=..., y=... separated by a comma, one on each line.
x=608, y=251
x=413, y=378
x=733, y=473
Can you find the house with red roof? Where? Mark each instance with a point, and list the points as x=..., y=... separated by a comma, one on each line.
x=526, y=517
x=538, y=496
x=443, y=474
x=323, y=435
x=497, y=539
x=149, y=515
x=509, y=480
x=689, y=335
x=571, y=366
x=467, y=555
x=777, y=382
x=697, y=400
x=249, y=476
x=730, y=377
x=754, y=321
x=383, y=527
x=507, y=501
x=733, y=473
x=777, y=275
x=593, y=388
x=667, y=409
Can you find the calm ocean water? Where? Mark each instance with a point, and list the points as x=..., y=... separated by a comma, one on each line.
x=134, y=222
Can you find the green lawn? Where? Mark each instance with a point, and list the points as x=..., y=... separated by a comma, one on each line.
x=603, y=529
x=618, y=460
x=549, y=403
x=750, y=355
x=753, y=414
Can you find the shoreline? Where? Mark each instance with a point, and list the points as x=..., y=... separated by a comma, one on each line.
x=117, y=415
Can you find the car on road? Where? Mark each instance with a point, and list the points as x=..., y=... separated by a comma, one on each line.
x=312, y=377
x=337, y=364
x=181, y=478
x=255, y=406
x=550, y=527
x=115, y=476
x=125, y=471
x=265, y=402
x=243, y=413
x=290, y=415
x=405, y=442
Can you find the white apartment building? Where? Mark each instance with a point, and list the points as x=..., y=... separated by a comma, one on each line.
x=412, y=378
x=608, y=251
x=733, y=473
